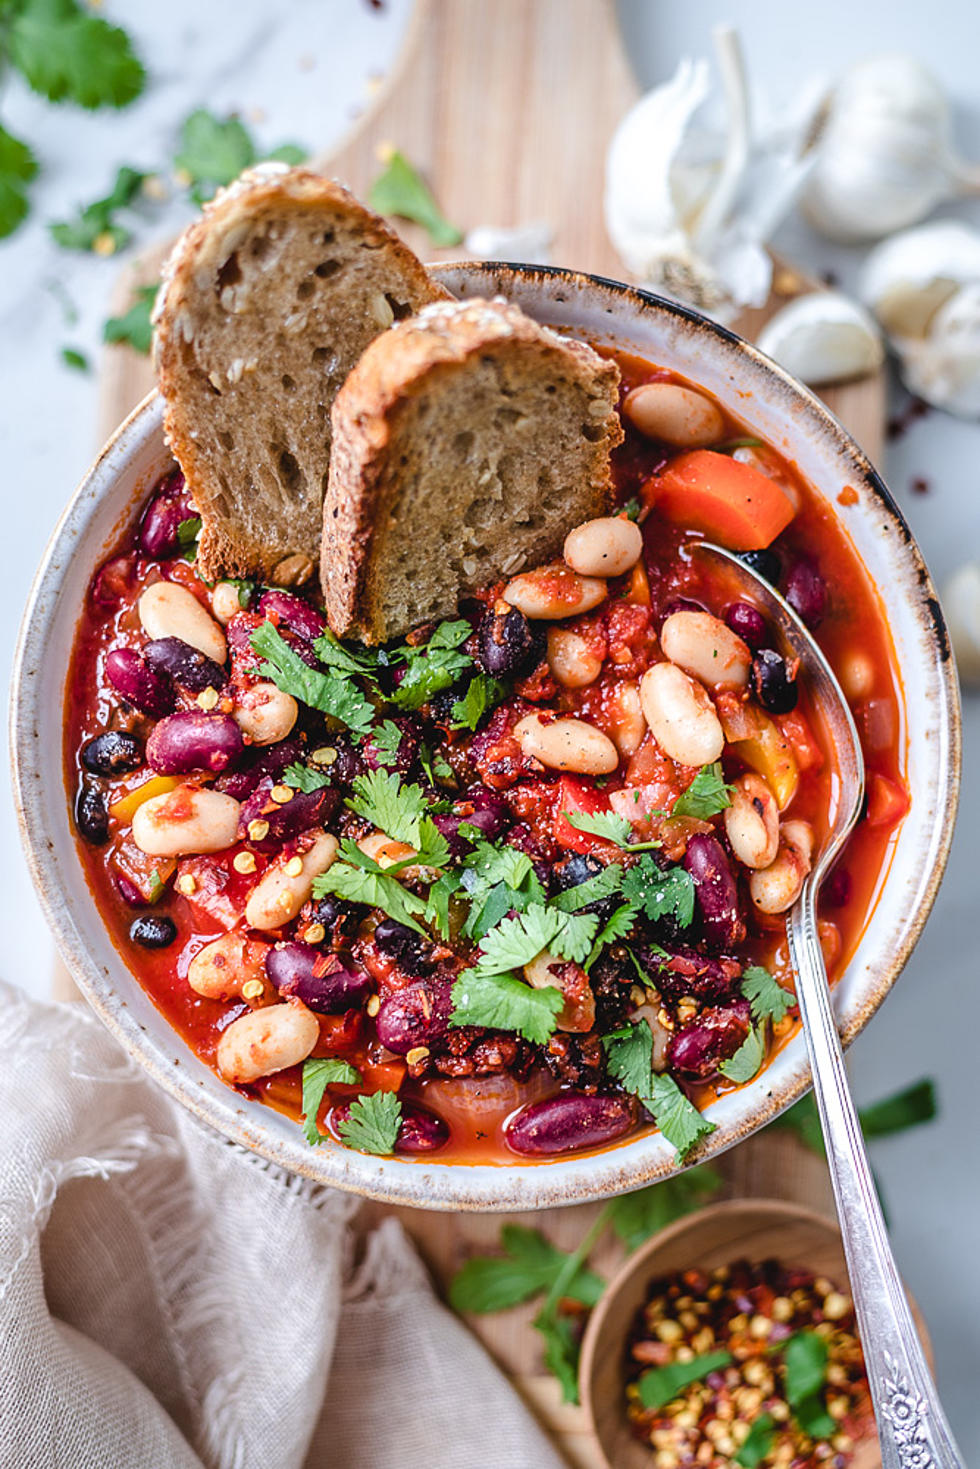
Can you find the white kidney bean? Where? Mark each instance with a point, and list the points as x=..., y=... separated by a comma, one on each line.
x=607, y=546
x=675, y=415
x=267, y=1040
x=265, y=713
x=185, y=820
x=168, y=610
x=752, y=822
x=661, y=1035
x=567, y=744
x=625, y=713
x=681, y=717
x=279, y=894
x=219, y=970
x=225, y=603
x=704, y=646
x=552, y=592
x=778, y=886
x=571, y=660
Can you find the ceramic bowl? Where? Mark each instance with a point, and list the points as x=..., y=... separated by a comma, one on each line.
x=743, y=1229
x=782, y=412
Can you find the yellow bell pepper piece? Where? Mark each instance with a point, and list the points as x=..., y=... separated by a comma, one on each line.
x=126, y=806
x=770, y=753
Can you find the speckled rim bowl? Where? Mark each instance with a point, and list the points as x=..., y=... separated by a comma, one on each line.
x=782, y=412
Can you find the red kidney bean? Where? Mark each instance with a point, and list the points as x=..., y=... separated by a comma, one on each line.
x=292, y=612
x=193, y=740
x=806, y=591
x=238, y=633
x=128, y=891
x=285, y=820
x=747, y=622
x=130, y=676
x=91, y=815
x=567, y=1122
x=112, y=753
x=417, y=1015
x=836, y=891
x=420, y=1131
x=481, y=808
x=682, y=604
x=114, y=582
x=406, y=752
x=265, y=761
x=715, y=891
x=326, y=982
x=773, y=682
x=683, y=971
x=697, y=1050
x=411, y=951
x=187, y=666
x=510, y=644
x=170, y=505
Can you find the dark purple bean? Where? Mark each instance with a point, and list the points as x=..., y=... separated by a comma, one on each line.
x=683, y=971
x=269, y=761
x=479, y=807
x=193, y=740
x=285, y=820
x=682, y=604
x=509, y=643
x=128, y=891
x=327, y=983
x=420, y=1131
x=417, y=1015
x=292, y=612
x=567, y=1122
x=112, y=753
x=578, y=869
x=187, y=666
x=747, y=622
x=411, y=951
x=773, y=682
x=338, y=919
x=697, y=1050
x=406, y=752
x=153, y=931
x=91, y=815
x=715, y=891
x=130, y=676
x=170, y=505
x=806, y=591
x=765, y=562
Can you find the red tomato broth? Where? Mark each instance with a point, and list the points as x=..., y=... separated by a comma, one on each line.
x=854, y=619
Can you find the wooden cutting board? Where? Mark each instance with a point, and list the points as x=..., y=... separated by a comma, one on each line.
x=508, y=110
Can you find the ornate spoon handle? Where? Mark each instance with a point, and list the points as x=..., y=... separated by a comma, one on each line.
x=912, y=1427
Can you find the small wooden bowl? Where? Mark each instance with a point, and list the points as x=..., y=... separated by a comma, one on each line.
x=751, y=1229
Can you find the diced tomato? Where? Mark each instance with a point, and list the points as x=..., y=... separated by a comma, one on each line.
x=798, y=730
x=338, y=1033
x=382, y=1076
x=576, y=795
x=887, y=802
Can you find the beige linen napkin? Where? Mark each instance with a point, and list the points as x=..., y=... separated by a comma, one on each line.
x=168, y=1300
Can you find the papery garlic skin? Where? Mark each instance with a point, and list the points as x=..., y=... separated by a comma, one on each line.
x=883, y=155
x=823, y=337
x=961, y=605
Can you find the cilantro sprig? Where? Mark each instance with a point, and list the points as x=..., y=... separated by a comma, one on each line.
x=401, y=190
x=214, y=151
x=324, y=691
x=705, y=796
x=96, y=226
x=660, y=892
x=609, y=828
x=430, y=667
x=504, y=1002
x=372, y=1124
x=319, y=1073
x=629, y=1058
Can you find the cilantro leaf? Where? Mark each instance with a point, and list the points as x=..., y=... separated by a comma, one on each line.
x=529, y=1264
x=432, y=666
x=17, y=167
x=632, y=509
x=66, y=54
x=482, y=694
x=518, y=940
x=319, y=1073
x=437, y=906
x=561, y=1350
x=95, y=227
x=504, y=1002
x=574, y=939
x=602, y=885
x=677, y=1117
x=616, y=926
x=660, y=1385
x=303, y=778
x=372, y=1124
x=767, y=999
x=497, y=879
x=660, y=892
x=346, y=657
x=360, y=880
x=812, y=1416
x=323, y=691
x=490, y=865
x=637, y=1216
x=187, y=533
x=907, y=1108
x=382, y=798
x=71, y=357
x=135, y=326
x=705, y=796
x=758, y=1443
x=609, y=827
x=385, y=740
x=805, y=1359
x=214, y=152
x=629, y=1057
x=400, y=190
x=435, y=767
x=747, y=1060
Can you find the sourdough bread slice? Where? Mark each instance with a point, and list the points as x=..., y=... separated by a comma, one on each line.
x=466, y=443
x=268, y=301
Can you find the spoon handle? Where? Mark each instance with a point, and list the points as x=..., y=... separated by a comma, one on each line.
x=912, y=1428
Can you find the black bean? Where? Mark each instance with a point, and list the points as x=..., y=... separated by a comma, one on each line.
x=765, y=562
x=579, y=869
x=91, y=815
x=410, y=951
x=773, y=683
x=188, y=666
x=153, y=931
x=509, y=643
x=112, y=753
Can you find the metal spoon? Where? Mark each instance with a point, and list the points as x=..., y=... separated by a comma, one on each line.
x=912, y=1427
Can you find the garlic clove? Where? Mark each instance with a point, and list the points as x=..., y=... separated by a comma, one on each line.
x=907, y=279
x=944, y=368
x=961, y=604
x=823, y=337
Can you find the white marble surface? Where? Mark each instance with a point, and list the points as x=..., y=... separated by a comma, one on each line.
x=301, y=72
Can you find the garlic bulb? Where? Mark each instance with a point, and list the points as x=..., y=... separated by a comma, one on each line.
x=924, y=288
x=883, y=155
x=961, y=604
x=528, y=243
x=823, y=337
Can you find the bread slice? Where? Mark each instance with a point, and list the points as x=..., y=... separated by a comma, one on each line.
x=466, y=443
x=268, y=301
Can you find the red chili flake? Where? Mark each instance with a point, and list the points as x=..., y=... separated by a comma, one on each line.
x=920, y=485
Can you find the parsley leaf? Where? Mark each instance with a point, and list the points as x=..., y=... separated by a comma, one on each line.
x=95, y=227
x=574, y=939
x=489, y=865
x=747, y=1060
x=372, y=1124
x=214, y=152
x=323, y=691
x=602, y=885
x=609, y=827
x=767, y=999
x=629, y=1053
x=637, y=1216
x=805, y=1357
x=705, y=796
x=66, y=54
x=385, y=740
x=433, y=666
x=497, y=879
x=529, y=1264
x=483, y=693
x=518, y=940
x=504, y=1002
x=660, y=1385
x=400, y=190
x=135, y=326
x=382, y=798
x=17, y=167
x=435, y=767
x=319, y=1073
x=678, y=1119
x=660, y=892
x=359, y=880
x=758, y=1443
x=302, y=778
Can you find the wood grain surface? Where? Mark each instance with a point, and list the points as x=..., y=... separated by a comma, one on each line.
x=508, y=110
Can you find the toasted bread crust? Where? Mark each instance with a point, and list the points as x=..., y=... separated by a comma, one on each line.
x=370, y=417
x=246, y=530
